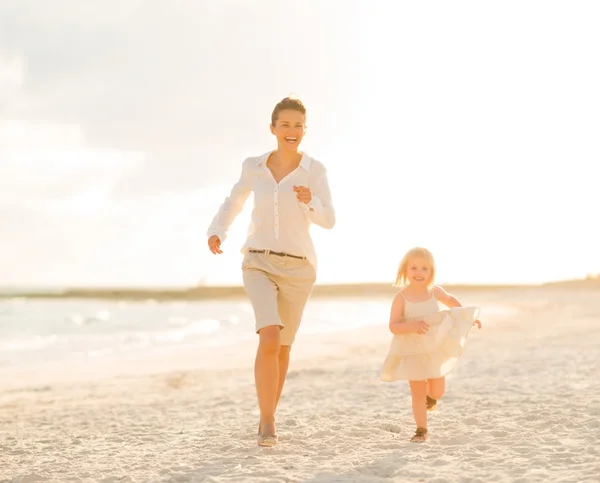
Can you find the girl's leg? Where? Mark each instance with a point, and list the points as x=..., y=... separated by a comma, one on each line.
x=436, y=387
x=418, y=390
x=435, y=390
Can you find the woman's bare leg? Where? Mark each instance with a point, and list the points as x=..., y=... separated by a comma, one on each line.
x=266, y=376
x=284, y=362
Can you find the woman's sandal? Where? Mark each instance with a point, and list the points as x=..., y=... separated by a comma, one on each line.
x=266, y=441
x=420, y=436
x=431, y=403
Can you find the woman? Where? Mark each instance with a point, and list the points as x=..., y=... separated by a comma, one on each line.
x=291, y=192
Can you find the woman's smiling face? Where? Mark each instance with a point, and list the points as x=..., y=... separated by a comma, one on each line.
x=289, y=129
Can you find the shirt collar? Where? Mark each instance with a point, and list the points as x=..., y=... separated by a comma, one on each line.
x=304, y=162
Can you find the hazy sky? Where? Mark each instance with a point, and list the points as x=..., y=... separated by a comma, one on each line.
x=469, y=127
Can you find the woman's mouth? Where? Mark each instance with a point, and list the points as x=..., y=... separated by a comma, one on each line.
x=291, y=140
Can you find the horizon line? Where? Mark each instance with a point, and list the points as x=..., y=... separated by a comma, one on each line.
x=154, y=287
x=232, y=291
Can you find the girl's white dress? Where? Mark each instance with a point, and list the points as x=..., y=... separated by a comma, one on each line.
x=416, y=357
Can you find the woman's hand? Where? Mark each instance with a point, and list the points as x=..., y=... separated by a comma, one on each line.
x=214, y=244
x=477, y=323
x=303, y=194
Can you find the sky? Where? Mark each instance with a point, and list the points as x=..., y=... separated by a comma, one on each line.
x=470, y=128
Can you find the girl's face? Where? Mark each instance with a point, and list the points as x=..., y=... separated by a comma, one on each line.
x=289, y=129
x=419, y=272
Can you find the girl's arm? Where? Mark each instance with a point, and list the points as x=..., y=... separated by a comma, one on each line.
x=449, y=301
x=397, y=326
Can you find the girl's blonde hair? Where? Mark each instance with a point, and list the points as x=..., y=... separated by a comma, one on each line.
x=417, y=252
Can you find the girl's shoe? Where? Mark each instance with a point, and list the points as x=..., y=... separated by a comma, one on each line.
x=431, y=403
x=420, y=436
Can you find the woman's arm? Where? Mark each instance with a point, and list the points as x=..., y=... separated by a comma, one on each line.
x=233, y=204
x=320, y=208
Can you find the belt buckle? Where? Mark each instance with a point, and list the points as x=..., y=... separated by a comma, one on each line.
x=267, y=252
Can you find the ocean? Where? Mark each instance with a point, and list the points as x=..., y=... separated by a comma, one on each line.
x=71, y=332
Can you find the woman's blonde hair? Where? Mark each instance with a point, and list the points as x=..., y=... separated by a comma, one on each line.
x=292, y=103
x=417, y=252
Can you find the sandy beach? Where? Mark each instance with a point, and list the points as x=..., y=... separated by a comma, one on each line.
x=523, y=405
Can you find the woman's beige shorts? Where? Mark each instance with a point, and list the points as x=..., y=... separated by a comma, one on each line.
x=278, y=288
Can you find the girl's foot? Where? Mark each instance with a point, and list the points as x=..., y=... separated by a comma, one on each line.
x=420, y=435
x=431, y=403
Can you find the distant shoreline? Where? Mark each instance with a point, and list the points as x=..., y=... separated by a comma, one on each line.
x=232, y=292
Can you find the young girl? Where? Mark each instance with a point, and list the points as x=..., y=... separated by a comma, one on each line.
x=428, y=342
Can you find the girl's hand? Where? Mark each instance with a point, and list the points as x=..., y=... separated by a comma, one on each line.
x=420, y=327
x=214, y=244
x=477, y=323
x=303, y=194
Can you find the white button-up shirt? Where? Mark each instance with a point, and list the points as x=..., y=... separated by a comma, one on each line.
x=280, y=222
